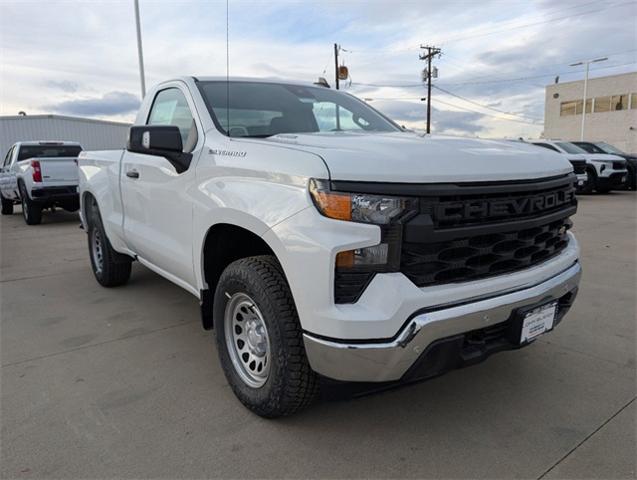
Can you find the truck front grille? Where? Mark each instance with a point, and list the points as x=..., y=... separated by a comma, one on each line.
x=470, y=258
x=619, y=165
x=579, y=166
x=484, y=233
x=465, y=232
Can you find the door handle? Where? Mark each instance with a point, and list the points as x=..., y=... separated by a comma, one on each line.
x=132, y=174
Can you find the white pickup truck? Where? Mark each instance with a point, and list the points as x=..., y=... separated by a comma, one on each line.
x=324, y=240
x=40, y=175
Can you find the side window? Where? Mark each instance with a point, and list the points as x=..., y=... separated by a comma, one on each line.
x=171, y=108
x=7, y=159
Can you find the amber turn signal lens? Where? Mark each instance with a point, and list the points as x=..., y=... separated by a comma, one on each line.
x=334, y=205
x=345, y=259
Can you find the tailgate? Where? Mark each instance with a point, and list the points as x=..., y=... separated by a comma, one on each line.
x=58, y=169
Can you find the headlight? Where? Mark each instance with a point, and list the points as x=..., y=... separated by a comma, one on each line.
x=357, y=207
x=354, y=268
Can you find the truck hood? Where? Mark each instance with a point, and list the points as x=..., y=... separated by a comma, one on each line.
x=603, y=157
x=414, y=158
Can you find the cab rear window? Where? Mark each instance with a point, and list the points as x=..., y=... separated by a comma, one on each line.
x=40, y=151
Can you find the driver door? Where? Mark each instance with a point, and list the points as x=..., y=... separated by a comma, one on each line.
x=157, y=200
x=8, y=184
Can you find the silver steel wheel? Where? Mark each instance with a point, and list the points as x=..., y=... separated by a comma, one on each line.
x=97, y=250
x=247, y=340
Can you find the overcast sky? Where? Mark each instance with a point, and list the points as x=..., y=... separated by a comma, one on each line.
x=80, y=58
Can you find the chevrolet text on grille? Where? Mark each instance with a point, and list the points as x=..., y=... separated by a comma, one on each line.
x=495, y=208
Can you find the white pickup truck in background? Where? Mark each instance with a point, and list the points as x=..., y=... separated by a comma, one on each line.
x=40, y=175
x=322, y=239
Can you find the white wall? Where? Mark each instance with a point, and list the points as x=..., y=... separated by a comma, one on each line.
x=613, y=127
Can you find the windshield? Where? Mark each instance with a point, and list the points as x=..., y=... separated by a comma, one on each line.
x=589, y=147
x=569, y=147
x=40, y=151
x=609, y=148
x=258, y=109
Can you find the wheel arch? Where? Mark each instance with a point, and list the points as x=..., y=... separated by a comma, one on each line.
x=223, y=244
x=84, y=201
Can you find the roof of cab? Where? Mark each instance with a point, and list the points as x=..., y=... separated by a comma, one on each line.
x=51, y=143
x=219, y=78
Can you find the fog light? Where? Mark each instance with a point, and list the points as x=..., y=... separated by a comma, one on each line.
x=376, y=255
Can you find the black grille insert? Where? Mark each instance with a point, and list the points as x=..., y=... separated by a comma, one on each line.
x=465, y=259
x=579, y=166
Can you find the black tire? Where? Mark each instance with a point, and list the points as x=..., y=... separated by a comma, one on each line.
x=603, y=189
x=31, y=211
x=290, y=385
x=111, y=269
x=631, y=181
x=7, y=206
x=591, y=181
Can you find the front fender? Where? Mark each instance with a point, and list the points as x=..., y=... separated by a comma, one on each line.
x=252, y=206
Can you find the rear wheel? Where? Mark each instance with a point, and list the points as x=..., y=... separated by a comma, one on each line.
x=31, y=211
x=259, y=338
x=110, y=268
x=7, y=206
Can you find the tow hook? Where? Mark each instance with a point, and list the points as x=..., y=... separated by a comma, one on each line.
x=408, y=336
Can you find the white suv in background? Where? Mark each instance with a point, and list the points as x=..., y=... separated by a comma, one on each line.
x=603, y=172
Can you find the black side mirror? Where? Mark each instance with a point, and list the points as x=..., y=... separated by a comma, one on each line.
x=160, y=140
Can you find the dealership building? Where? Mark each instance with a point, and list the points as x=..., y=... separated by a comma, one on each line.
x=611, y=111
x=90, y=133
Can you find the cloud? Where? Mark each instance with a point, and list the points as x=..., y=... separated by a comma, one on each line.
x=91, y=51
x=64, y=85
x=112, y=103
x=413, y=115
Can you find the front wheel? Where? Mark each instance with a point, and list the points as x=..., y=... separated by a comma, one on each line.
x=591, y=180
x=259, y=338
x=31, y=211
x=7, y=206
x=110, y=268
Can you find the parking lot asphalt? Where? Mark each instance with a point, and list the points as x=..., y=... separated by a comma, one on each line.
x=124, y=383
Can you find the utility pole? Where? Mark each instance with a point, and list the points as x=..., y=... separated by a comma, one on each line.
x=336, y=49
x=431, y=53
x=140, y=54
x=587, y=63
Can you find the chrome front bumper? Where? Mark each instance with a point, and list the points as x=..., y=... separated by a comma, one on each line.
x=381, y=361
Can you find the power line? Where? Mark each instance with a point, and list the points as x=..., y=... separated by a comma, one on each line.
x=455, y=64
x=484, y=106
x=482, y=113
x=437, y=100
x=479, y=82
x=453, y=39
x=516, y=79
x=457, y=39
x=513, y=24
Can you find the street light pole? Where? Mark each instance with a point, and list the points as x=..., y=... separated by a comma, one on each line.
x=587, y=63
x=140, y=54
